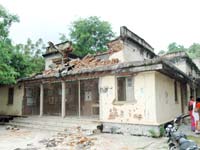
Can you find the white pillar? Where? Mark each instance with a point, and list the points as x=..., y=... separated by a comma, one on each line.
x=41, y=99
x=79, y=98
x=63, y=99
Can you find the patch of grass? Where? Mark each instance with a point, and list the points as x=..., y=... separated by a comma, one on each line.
x=162, y=130
x=153, y=133
x=159, y=134
x=195, y=139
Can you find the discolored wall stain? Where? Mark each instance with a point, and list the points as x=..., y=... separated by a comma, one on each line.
x=137, y=116
x=113, y=114
x=121, y=113
x=129, y=113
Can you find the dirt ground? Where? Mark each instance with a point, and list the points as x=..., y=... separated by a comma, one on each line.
x=76, y=138
x=32, y=139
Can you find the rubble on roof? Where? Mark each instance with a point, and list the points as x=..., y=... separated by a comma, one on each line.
x=89, y=61
x=115, y=46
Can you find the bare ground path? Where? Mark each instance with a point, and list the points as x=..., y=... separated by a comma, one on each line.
x=32, y=139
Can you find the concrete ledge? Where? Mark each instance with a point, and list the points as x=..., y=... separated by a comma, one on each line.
x=131, y=129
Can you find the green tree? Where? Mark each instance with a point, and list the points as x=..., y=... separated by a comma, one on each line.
x=89, y=35
x=31, y=58
x=194, y=50
x=161, y=52
x=19, y=60
x=7, y=72
x=174, y=47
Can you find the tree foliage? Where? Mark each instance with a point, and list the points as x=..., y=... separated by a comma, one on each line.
x=174, y=47
x=32, y=54
x=28, y=58
x=19, y=60
x=161, y=52
x=89, y=35
x=6, y=20
x=193, y=51
x=7, y=72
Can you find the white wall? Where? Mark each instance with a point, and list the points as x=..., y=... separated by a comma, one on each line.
x=182, y=66
x=140, y=111
x=185, y=67
x=166, y=107
x=130, y=52
x=16, y=107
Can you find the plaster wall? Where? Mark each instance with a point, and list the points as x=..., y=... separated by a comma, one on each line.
x=16, y=107
x=166, y=106
x=139, y=111
x=182, y=65
x=130, y=52
x=48, y=60
x=186, y=68
x=197, y=62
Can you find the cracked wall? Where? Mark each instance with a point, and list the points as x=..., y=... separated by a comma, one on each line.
x=139, y=111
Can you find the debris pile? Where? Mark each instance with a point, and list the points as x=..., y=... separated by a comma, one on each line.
x=87, y=62
x=90, y=61
x=115, y=46
x=12, y=128
x=74, y=138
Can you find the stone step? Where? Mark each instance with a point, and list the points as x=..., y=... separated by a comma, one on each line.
x=49, y=128
x=55, y=124
x=59, y=119
x=67, y=130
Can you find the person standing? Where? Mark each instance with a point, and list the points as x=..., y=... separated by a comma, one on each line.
x=191, y=106
x=197, y=111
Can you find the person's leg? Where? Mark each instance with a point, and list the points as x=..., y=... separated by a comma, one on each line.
x=192, y=124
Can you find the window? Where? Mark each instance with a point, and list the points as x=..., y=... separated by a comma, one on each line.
x=10, y=96
x=29, y=96
x=125, y=90
x=175, y=92
x=121, y=85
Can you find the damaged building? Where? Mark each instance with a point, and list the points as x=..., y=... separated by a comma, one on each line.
x=127, y=88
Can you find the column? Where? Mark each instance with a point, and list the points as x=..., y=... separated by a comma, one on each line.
x=41, y=99
x=79, y=98
x=63, y=99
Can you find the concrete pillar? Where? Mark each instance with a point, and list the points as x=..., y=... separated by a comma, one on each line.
x=63, y=99
x=41, y=99
x=79, y=98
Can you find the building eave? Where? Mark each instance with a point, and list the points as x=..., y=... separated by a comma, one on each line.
x=160, y=65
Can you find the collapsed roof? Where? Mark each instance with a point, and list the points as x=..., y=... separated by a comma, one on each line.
x=93, y=66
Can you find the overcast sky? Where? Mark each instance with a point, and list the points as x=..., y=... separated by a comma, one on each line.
x=159, y=22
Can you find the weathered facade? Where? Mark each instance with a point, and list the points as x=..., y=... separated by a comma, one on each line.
x=11, y=98
x=128, y=88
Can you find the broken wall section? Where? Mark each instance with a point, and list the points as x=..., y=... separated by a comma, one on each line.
x=127, y=51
